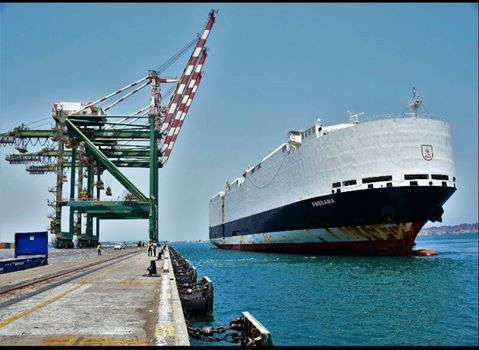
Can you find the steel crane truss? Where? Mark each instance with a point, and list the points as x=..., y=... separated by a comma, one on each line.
x=87, y=142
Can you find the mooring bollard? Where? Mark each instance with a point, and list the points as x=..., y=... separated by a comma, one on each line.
x=152, y=268
x=152, y=272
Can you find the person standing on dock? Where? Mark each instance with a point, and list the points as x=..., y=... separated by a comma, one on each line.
x=154, y=248
x=98, y=248
x=148, y=246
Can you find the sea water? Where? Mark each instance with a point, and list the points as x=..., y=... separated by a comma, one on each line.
x=348, y=300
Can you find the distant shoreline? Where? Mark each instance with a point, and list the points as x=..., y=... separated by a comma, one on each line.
x=454, y=229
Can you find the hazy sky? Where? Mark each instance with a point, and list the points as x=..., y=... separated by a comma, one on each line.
x=271, y=68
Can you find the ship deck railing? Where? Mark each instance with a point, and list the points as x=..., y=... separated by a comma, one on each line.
x=400, y=115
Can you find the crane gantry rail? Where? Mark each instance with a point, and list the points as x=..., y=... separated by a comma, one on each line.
x=89, y=142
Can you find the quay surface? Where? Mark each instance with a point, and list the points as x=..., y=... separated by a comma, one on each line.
x=94, y=300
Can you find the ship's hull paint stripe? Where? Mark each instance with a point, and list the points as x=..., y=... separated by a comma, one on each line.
x=355, y=208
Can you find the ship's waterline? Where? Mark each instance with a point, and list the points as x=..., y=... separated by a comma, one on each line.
x=386, y=238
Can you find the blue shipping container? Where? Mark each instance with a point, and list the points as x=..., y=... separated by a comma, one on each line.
x=21, y=264
x=31, y=243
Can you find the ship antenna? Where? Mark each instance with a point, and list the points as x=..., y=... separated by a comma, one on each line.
x=416, y=102
x=354, y=117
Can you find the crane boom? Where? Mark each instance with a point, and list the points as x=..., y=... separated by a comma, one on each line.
x=183, y=109
x=181, y=86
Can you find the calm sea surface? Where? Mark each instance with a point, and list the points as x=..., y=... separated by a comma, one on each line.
x=347, y=300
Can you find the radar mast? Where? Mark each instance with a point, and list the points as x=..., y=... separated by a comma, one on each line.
x=415, y=103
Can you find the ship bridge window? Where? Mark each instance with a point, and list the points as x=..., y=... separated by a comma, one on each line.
x=367, y=180
x=336, y=184
x=416, y=177
x=309, y=132
x=349, y=182
x=439, y=177
x=256, y=168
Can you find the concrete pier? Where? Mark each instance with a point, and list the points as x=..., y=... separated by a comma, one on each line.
x=171, y=327
x=110, y=303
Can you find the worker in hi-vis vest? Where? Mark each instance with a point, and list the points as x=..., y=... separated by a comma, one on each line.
x=98, y=248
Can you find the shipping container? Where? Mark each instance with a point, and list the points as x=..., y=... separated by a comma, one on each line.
x=31, y=243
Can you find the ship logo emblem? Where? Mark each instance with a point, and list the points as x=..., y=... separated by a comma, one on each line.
x=427, y=152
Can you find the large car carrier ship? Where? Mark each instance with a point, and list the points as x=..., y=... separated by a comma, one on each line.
x=355, y=188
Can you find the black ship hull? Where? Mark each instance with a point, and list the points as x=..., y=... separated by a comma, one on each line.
x=371, y=221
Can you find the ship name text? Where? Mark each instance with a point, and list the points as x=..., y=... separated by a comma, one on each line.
x=323, y=202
